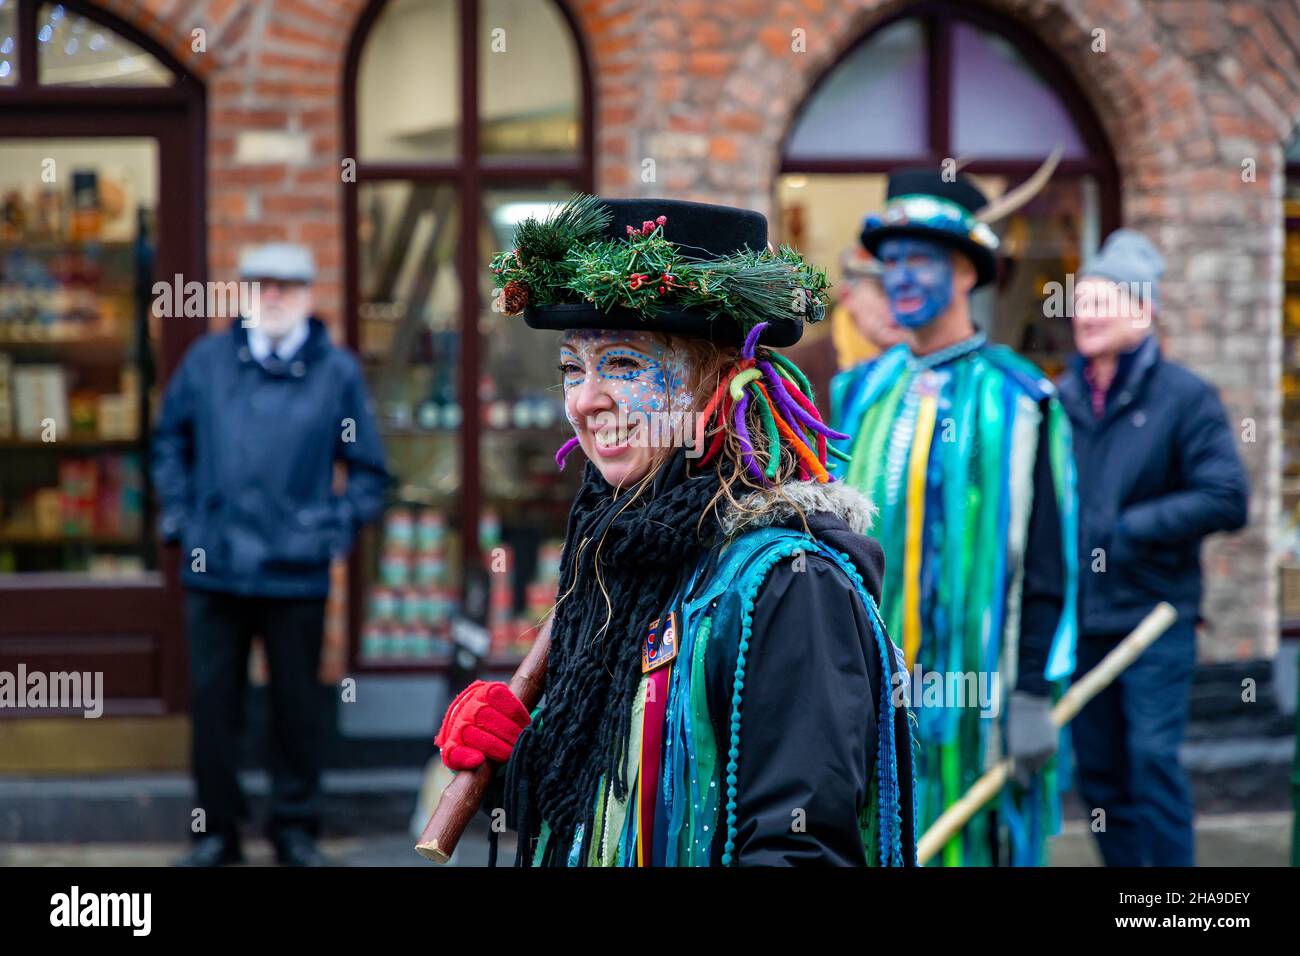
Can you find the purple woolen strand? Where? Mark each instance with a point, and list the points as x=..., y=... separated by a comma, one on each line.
x=780, y=400
x=751, y=340
x=742, y=433
x=785, y=395
x=563, y=453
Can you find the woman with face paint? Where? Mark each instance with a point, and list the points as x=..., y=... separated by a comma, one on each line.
x=719, y=688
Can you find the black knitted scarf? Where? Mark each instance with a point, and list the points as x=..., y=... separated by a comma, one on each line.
x=645, y=551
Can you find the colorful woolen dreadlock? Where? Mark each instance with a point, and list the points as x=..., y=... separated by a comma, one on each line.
x=785, y=404
x=784, y=400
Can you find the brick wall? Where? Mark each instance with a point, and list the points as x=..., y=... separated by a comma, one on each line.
x=1186, y=89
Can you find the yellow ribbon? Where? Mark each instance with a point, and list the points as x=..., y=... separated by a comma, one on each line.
x=917, y=466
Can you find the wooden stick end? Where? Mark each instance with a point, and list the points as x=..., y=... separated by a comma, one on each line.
x=430, y=851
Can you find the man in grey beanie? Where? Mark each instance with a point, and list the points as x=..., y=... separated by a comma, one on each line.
x=1158, y=470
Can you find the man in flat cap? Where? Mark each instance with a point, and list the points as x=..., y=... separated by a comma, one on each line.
x=254, y=421
x=1159, y=470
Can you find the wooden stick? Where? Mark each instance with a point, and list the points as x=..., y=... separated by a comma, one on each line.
x=463, y=796
x=1067, y=708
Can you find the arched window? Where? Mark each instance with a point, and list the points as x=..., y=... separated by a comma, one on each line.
x=463, y=116
x=101, y=194
x=951, y=82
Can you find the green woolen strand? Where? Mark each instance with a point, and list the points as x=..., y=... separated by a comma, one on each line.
x=798, y=376
x=769, y=426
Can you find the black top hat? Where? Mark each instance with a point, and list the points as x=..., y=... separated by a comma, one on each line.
x=922, y=203
x=731, y=242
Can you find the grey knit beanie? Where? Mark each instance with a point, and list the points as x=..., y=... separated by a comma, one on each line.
x=1127, y=256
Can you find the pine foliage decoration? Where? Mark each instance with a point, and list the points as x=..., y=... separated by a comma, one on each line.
x=563, y=259
x=582, y=219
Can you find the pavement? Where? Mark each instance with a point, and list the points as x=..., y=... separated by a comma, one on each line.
x=1223, y=839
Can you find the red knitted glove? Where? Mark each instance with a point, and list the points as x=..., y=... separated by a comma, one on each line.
x=484, y=721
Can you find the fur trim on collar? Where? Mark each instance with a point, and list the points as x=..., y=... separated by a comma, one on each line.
x=760, y=509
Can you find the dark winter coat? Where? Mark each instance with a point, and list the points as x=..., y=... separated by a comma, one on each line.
x=243, y=463
x=1158, y=471
x=811, y=685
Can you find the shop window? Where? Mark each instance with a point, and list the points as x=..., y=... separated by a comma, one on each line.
x=84, y=235
x=408, y=85
x=530, y=85
x=959, y=85
x=988, y=74
x=467, y=398
x=871, y=104
x=75, y=339
x=8, y=42
x=76, y=51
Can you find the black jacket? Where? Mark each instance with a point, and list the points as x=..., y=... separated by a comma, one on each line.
x=1157, y=473
x=811, y=711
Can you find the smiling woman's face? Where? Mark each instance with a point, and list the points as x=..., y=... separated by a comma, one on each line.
x=618, y=388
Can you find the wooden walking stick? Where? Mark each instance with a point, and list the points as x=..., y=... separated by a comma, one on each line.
x=462, y=797
x=1067, y=708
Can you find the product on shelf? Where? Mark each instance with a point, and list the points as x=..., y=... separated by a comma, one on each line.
x=115, y=566
x=116, y=418
x=40, y=396
x=120, y=508
x=6, y=396
x=82, y=412
x=79, y=487
x=489, y=530
x=411, y=606
x=49, y=512
x=47, y=223
x=86, y=215
x=13, y=215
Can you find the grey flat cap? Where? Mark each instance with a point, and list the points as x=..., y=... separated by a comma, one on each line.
x=285, y=261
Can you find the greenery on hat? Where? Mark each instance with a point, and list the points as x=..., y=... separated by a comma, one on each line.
x=563, y=259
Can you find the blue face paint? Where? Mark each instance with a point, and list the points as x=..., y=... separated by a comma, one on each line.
x=639, y=372
x=917, y=279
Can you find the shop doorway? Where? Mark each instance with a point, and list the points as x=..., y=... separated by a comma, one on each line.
x=101, y=193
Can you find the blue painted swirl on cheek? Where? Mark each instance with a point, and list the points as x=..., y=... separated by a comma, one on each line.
x=638, y=388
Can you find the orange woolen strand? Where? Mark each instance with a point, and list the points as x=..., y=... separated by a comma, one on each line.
x=801, y=450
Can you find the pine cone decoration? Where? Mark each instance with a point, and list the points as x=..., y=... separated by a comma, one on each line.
x=514, y=297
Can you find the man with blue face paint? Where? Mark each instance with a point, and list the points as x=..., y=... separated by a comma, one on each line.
x=918, y=280
x=964, y=448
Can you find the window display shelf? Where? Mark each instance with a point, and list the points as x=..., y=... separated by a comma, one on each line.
x=95, y=540
x=90, y=350
x=405, y=665
x=57, y=246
